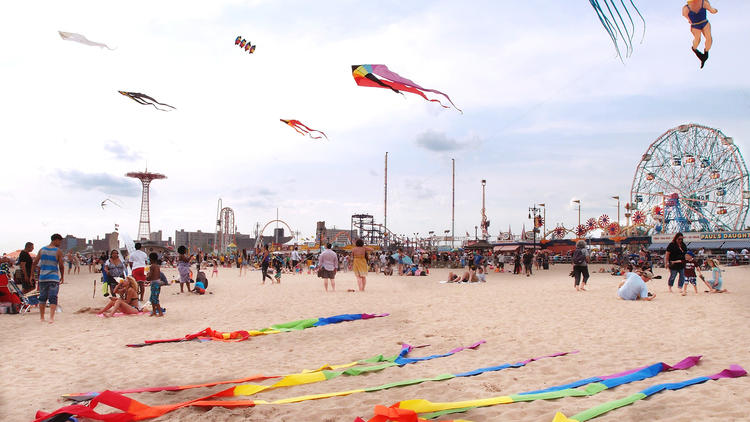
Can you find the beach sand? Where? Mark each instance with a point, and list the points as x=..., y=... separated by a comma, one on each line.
x=519, y=317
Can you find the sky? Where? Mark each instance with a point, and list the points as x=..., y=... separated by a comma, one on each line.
x=550, y=114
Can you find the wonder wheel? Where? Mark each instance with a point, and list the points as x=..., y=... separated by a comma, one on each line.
x=692, y=178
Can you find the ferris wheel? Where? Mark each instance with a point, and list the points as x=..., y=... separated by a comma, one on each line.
x=692, y=178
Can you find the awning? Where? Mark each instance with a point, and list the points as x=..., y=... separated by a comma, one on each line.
x=658, y=246
x=713, y=244
x=505, y=248
x=739, y=245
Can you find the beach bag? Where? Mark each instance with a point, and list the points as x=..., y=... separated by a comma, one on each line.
x=579, y=258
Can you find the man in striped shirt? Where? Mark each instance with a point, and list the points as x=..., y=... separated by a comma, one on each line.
x=51, y=275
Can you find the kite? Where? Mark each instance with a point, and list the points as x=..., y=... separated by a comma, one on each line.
x=367, y=75
x=407, y=410
x=734, y=371
x=71, y=36
x=144, y=100
x=699, y=26
x=104, y=203
x=304, y=377
x=247, y=45
x=135, y=410
x=302, y=129
x=616, y=27
x=209, y=334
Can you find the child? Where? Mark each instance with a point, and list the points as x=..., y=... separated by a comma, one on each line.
x=690, y=273
x=481, y=275
x=716, y=284
x=277, y=265
x=154, y=277
x=183, y=268
x=216, y=269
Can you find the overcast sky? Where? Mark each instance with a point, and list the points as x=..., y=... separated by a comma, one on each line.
x=550, y=113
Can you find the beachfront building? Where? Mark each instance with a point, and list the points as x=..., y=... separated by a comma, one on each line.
x=194, y=240
x=110, y=241
x=73, y=244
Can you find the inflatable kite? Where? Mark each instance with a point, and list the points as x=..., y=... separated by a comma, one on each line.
x=247, y=45
x=407, y=410
x=302, y=129
x=379, y=76
x=209, y=334
x=699, y=26
x=144, y=100
x=104, y=203
x=615, y=24
x=71, y=36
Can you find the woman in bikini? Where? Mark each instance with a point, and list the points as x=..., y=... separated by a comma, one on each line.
x=695, y=12
x=128, y=304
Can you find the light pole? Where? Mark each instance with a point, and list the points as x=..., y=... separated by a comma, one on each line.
x=476, y=237
x=533, y=214
x=618, y=208
x=485, y=224
x=578, y=201
x=416, y=240
x=431, y=232
x=544, y=220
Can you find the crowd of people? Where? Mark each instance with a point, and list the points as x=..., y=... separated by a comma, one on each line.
x=125, y=279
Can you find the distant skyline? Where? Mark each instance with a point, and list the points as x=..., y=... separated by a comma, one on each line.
x=550, y=113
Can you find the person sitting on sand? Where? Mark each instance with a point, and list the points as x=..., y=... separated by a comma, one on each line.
x=716, y=284
x=481, y=276
x=128, y=305
x=634, y=287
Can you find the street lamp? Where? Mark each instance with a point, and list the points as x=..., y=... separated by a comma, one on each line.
x=544, y=220
x=578, y=201
x=476, y=237
x=618, y=208
x=533, y=214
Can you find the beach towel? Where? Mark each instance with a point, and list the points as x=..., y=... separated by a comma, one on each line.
x=118, y=314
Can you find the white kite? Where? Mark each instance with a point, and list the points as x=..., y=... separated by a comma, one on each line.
x=72, y=36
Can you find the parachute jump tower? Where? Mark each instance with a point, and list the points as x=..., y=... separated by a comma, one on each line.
x=144, y=225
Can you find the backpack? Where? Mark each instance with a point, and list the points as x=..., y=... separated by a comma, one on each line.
x=579, y=258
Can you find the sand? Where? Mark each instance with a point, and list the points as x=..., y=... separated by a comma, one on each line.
x=519, y=317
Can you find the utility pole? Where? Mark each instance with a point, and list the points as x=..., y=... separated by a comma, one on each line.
x=453, y=204
x=385, y=201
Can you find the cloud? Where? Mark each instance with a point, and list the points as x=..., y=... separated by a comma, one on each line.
x=104, y=182
x=121, y=152
x=440, y=142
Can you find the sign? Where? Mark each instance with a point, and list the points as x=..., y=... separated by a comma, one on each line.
x=702, y=236
x=725, y=236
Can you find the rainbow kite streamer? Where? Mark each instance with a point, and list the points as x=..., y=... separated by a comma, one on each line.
x=407, y=411
x=134, y=410
x=734, y=371
x=307, y=376
x=209, y=334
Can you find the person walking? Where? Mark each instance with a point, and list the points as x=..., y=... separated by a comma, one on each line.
x=359, y=263
x=264, y=263
x=51, y=275
x=528, y=257
x=327, y=264
x=580, y=265
x=137, y=262
x=674, y=261
x=295, y=259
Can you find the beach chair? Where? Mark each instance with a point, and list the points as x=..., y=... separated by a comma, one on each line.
x=26, y=301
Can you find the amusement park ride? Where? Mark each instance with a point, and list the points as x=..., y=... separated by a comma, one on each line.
x=691, y=179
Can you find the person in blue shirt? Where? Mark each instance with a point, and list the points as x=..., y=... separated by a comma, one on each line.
x=634, y=286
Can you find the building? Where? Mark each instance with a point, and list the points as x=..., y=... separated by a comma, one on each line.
x=337, y=237
x=194, y=240
x=73, y=244
x=110, y=241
